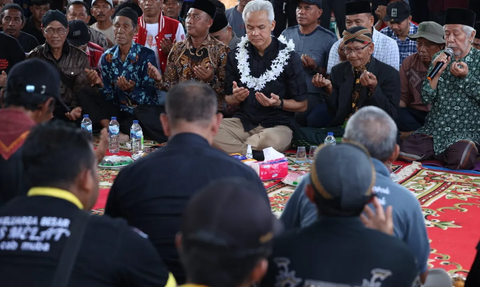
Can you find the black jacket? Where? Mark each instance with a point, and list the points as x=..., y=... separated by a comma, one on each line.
x=386, y=96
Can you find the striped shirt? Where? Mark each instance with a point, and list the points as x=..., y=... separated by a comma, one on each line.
x=386, y=50
x=406, y=47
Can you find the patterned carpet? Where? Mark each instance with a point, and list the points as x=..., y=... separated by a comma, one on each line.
x=450, y=203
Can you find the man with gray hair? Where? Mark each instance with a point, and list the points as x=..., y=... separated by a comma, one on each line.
x=450, y=133
x=375, y=129
x=265, y=79
x=223, y=32
x=151, y=194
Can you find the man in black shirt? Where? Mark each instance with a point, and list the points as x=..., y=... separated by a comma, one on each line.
x=61, y=166
x=151, y=193
x=13, y=21
x=11, y=53
x=266, y=79
x=338, y=250
x=33, y=26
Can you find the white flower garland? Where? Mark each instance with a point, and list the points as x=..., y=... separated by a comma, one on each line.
x=270, y=75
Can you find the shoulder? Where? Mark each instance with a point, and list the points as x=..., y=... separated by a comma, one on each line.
x=386, y=31
x=408, y=62
x=324, y=32
x=174, y=23
x=340, y=67
x=229, y=11
x=76, y=53
x=386, y=69
x=290, y=30
x=95, y=47
x=26, y=35
x=145, y=51
x=38, y=50
x=117, y=228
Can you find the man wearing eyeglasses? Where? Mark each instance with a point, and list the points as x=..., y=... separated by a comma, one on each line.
x=362, y=80
x=70, y=61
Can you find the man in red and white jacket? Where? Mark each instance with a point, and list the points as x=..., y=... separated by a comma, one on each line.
x=158, y=32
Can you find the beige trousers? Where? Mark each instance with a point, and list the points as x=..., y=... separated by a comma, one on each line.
x=232, y=138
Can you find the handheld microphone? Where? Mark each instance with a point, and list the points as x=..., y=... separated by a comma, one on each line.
x=439, y=65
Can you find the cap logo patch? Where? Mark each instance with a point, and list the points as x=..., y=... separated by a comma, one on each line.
x=30, y=88
x=77, y=33
x=44, y=88
x=394, y=12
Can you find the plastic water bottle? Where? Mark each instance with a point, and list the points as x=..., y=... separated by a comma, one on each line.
x=249, y=154
x=86, y=124
x=136, y=138
x=330, y=139
x=114, y=131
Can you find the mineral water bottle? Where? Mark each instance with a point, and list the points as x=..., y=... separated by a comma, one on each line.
x=114, y=131
x=330, y=139
x=249, y=154
x=136, y=138
x=86, y=124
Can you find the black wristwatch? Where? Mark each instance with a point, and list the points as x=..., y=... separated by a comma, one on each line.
x=280, y=106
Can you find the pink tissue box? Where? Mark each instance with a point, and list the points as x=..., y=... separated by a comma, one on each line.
x=268, y=170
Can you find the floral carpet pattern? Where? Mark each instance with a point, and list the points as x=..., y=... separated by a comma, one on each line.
x=450, y=203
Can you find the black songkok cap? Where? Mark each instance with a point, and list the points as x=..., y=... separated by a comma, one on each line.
x=358, y=7
x=460, y=16
x=54, y=15
x=129, y=13
x=219, y=22
x=206, y=6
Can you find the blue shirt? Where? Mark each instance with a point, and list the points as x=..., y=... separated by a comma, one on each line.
x=408, y=220
x=134, y=68
x=405, y=47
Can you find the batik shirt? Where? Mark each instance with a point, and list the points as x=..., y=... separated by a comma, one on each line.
x=405, y=47
x=184, y=57
x=455, y=111
x=134, y=68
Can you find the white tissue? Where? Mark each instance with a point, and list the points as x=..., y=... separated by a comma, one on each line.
x=271, y=154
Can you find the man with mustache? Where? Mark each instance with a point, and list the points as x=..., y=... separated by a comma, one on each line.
x=412, y=111
x=163, y=31
x=13, y=20
x=399, y=26
x=103, y=10
x=33, y=26
x=171, y=9
x=450, y=134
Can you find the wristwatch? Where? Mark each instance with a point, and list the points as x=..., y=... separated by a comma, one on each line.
x=279, y=106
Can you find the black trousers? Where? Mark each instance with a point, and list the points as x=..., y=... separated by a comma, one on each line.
x=285, y=15
x=409, y=120
x=338, y=8
x=148, y=116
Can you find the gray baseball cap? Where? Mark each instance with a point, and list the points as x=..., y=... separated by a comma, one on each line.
x=108, y=1
x=432, y=31
x=343, y=175
x=313, y=2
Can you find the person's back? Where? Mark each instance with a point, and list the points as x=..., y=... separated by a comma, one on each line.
x=337, y=250
x=151, y=194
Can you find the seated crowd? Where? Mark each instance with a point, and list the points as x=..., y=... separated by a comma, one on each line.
x=191, y=214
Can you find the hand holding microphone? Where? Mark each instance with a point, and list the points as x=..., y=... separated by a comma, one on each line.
x=440, y=63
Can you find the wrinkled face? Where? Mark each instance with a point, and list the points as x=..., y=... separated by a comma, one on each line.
x=307, y=14
x=123, y=30
x=259, y=29
x=55, y=34
x=358, y=54
x=171, y=8
x=78, y=12
x=364, y=19
x=401, y=28
x=427, y=49
x=151, y=8
x=197, y=22
x=39, y=11
x=457, y=39
x=102, y=11
x=224, y=35
x=12, y=22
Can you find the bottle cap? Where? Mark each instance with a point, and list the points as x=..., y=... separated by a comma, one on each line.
x=114, y=118
x=330, y=133
x=135, y=121
x=85, y=115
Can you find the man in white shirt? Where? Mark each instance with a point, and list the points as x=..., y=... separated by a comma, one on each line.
x=103, y=10
x=158, y=32
x=360, y=14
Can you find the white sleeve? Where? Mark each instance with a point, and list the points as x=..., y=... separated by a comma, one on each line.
x=180, y=36
x=390, y=53
x=333, y=57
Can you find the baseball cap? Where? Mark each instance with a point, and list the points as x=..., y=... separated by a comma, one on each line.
x=432, y=31
x=78, y=34
x=230, y=214
x=343, y=176
x=108, y=1
x=397, y=12
x=313, y=2
x=24, y=79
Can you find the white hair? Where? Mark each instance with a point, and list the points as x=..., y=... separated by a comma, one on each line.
x=469, y=30
x=259, y=5
x=375, y=129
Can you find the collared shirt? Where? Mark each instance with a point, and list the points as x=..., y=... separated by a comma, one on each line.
x=290, y=84
x=413, y=73
x=36, y=228
x=134, y=68
x=408, y=221
x=31, y=28
x=183, y=57
x=405, y=47
x=386, y=50
x=136, y=195
x=98, y=38
x=455, y=105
